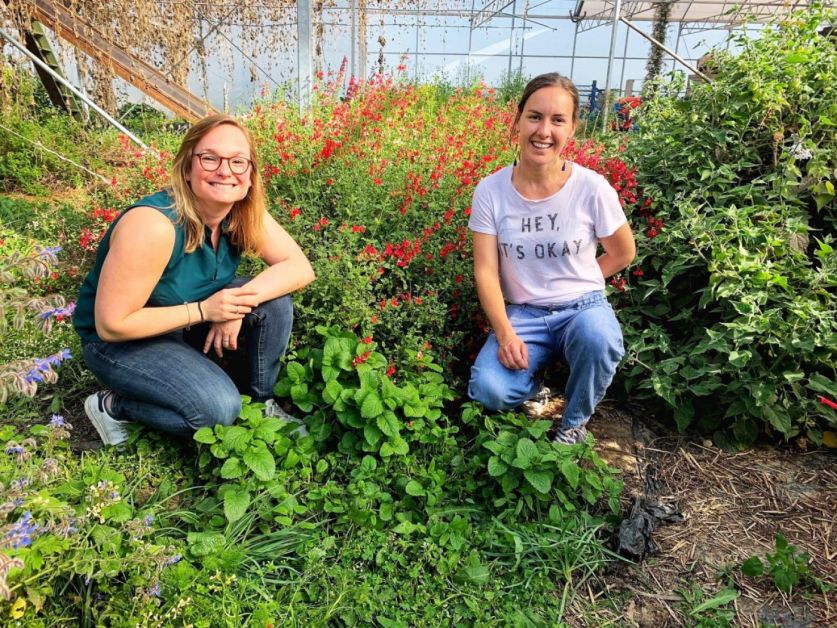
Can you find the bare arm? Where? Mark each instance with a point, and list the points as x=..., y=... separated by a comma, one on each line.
x=289, y=268
x=513, y=353
x=620, y=250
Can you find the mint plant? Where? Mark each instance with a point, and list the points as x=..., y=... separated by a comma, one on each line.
x=788, y=567
x=533, y=472
x=347, y=390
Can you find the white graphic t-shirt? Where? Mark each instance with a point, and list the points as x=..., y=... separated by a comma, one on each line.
x=547, y=248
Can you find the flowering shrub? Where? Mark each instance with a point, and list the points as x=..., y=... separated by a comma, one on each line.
x=66, y=524
x=22, y=266
x=729, y=312
x=377, y=189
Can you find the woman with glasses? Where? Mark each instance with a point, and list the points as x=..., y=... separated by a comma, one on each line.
x=162, y=296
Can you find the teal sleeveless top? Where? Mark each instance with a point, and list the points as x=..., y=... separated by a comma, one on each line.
x=187, y=277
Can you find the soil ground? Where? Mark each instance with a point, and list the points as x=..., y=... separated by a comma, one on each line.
x=733, y=504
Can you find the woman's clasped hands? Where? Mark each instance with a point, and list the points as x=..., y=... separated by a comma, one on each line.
x=226, y=310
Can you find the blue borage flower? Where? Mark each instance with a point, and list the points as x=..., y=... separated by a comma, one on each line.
x=45, y=365
x=13, y=449
x=48, y=251
x=57, y=420
x=59, y=313
x=21, y=533
x=173, y=560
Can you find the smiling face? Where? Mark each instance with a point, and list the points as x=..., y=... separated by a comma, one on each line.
x=216, y=191
x=545, y=126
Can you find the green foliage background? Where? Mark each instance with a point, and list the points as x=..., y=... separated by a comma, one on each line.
x=732, y=324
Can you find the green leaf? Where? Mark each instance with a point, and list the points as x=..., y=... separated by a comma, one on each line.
x=388, y=424
x=822, y=384
x=400, y=446
x=332, y=391
x=236, y=438
x=476, y=574
x=119, y=512
x=496, y=467
x=571, y=471
x=526, y=449
x=205, y=436
x=723, y=597
x=414, y=488
x=541, y=481
x=205, y=543
x=372, y=406
x=236, y=501
x=753, y=567
x=231, y=469
x=372, y=434
x=296, y=372
x=261, y=462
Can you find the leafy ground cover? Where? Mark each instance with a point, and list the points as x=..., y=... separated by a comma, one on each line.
x=405, y=505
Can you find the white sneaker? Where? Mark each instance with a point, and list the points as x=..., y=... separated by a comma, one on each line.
x=111, y=431
x=273, y=409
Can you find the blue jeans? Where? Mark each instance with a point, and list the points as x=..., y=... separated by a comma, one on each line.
x=169, y=384
x=584, y=333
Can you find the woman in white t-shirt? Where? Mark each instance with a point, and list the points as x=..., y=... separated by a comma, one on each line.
x=537, y=225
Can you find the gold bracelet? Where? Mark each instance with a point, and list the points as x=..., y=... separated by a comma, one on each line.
x=189, y=315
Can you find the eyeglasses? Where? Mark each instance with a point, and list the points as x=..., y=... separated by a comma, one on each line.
x=211, y=162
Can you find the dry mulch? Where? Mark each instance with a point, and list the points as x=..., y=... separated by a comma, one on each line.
x=733, y=505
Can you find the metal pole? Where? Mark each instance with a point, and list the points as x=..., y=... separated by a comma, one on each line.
x=470, y=38
x=353, y=39
x=511, y=36
x=84, y=97
x=303, y=47
x=624, y=63
x=606, y=103
x=668, y=50
x=572, y=60
x=415, y=62
x=523, y=38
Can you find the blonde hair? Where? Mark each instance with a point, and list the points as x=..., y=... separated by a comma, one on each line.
x=245, y=227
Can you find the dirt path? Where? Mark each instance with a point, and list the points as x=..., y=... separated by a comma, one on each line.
x=733, y=505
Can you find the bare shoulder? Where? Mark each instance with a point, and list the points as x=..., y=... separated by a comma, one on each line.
x=144, y=225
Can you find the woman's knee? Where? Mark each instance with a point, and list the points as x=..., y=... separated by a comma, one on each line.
x=218, y=408
x=278, y=309
x=493, y=393
x=599, y=336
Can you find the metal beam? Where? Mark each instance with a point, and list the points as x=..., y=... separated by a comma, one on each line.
x=304, y=74
x=73, y=89
x=673, y=54
x=488, y=11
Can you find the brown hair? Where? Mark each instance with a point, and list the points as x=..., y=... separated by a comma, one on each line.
x=246, y=217
x=551, y=79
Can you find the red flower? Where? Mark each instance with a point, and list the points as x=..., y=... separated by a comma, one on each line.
x=619, y=283
x=367, y=340
x=295, y=212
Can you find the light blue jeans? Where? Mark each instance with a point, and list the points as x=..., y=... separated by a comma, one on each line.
x=584, y=333
x=168, y=383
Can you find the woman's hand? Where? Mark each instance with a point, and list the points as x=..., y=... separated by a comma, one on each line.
x=230, y=304
x=223, y=336
x=513, y=353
